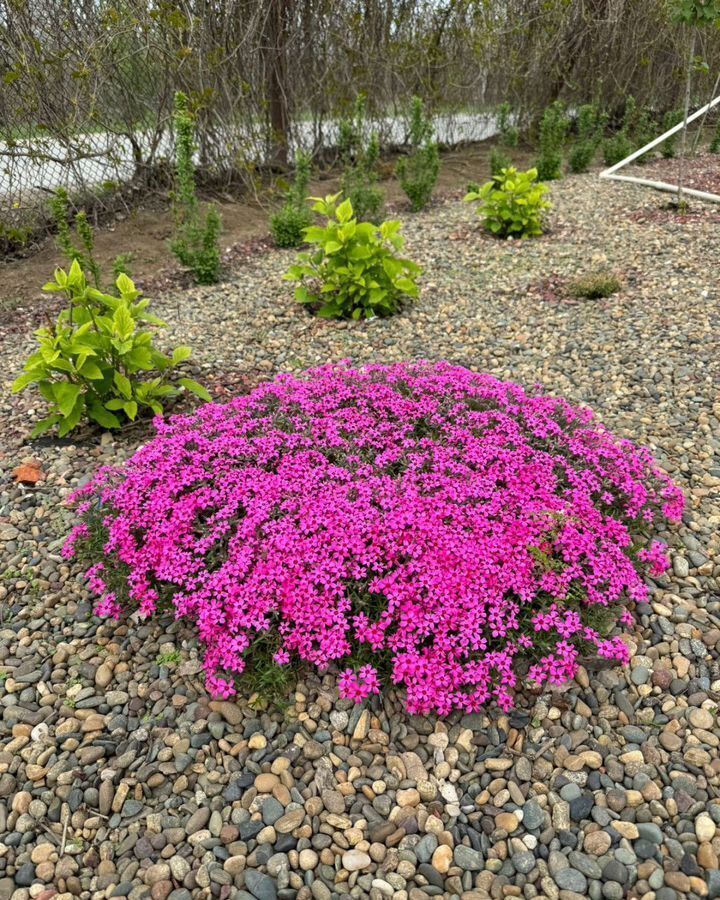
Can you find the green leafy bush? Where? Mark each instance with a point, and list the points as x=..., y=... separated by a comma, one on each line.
x=715, y=144
x=509, y=134
x=360, y=179
x=616, y=148
x=14, y=237
x=638, y=124
x=418, y=172
x=553, y=131
x=195, y=242
x=354, y=270
x=60, y=211
x=636, y=131
x=84, y=254
x=289, y=223
x=513, y=204
x=97, y=361
x=499, y=160
x=595, y=286
x=589, y=135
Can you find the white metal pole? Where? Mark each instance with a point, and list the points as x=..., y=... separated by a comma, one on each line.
x=662, y=185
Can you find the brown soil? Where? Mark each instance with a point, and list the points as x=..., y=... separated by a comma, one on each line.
x=702, y=172
x=144, y=233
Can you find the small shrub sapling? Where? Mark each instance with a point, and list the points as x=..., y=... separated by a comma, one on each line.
x=98, y=362
x=418, y=171
x=553, y=132
x=195, y=241
x=354, y=269
x=288, y=224
x=512, y=204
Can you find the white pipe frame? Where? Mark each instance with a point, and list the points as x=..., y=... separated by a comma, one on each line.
x=662, y=185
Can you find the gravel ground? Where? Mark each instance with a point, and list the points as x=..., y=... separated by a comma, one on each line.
x=119, y=777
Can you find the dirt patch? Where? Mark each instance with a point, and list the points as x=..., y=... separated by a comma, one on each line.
x=702, y=172
x=145, y=232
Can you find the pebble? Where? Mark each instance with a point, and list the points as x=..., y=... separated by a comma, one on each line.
x=606, y=787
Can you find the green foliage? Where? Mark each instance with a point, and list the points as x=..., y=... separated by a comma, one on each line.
x=418, y=172
x=121, y=265
x=696, y=12
x=589, y=134
x=513, y=204
x=636, y=131
x=715, y=145
x=638, y=124
x=509, y=134
x=195, y=242
x=14, y=237
x=595, y=286
x=616, y=148
x=97, y=361
x=60, y=211
x=669, y=145
x=289, y=222
x=553, y=131
x=360, y=180
x=84, y=254
x=499, y=160
x=354, y=270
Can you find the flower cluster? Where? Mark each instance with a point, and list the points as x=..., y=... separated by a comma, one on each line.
x=441, y=523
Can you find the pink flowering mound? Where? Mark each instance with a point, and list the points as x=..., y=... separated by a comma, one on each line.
x=417, y=520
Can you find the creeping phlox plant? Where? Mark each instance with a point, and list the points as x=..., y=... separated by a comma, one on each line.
x=416, y=523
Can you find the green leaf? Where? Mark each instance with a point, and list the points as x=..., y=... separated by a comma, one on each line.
x=45, y=425
x=195, y=388
x=125, y=285
x=122, y=383
x=332, y=247
x=344, y=212
x=66, y=396
x=180, y=354
x=23, y=381
x=91, y=370
x=98, y=413
x=123, y=323
x=73, y=420
x=130, y=407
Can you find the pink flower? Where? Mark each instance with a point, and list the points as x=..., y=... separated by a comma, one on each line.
x=441, y=520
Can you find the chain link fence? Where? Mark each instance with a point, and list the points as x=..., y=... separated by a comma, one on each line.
x=87, y=86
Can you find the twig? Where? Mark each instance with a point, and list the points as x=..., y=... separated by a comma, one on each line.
x=64, y=834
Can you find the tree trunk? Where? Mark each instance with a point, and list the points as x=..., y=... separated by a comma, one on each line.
x=278, y=14
x=683, y=144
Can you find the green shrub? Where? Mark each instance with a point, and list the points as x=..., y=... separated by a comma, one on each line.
x=14, y=237
x=97, y=362
x=616, y=148
x=715, y=145
x=84, y=254
x=195, y=242
x=513, y=204
x=553, y=131
x=638, y=124
x=289, y=222
x=354, y=270
x=509, y=134
x=121, y=265
x=595, y=286
x=360, y=180
x=60, y=211
x=636, y=131
x=589, y=135
x=668, y=147
x=499, y=160
x=418, y=172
